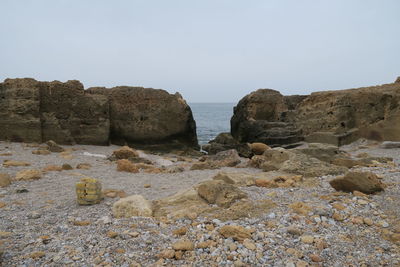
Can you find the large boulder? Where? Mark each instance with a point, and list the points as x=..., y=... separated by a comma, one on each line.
x=33, y=111
x=264, y=116
x=20, y=110
x=369, y=112
x=333, y=117
x=148, y=116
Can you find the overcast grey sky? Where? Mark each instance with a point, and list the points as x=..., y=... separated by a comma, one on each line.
x=209, y=50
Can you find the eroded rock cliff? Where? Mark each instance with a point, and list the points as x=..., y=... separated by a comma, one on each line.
x=34, y=111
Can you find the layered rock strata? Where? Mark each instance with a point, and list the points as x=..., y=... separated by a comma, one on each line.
x=34, y=111
x=334, y=117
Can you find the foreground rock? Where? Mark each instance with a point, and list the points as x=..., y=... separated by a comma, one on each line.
x=125, y=152
x=26, y=175
x=135, y=205
x=34, y=111
x=365, y=182
x=5, y=179
x=88, y=191
x=220, y=193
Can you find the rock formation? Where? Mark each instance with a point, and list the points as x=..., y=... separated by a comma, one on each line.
x=34, y=111
x=266, y=116
x=334, y=117
x=148, y=116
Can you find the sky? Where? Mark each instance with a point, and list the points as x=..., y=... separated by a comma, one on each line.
x=208, y=50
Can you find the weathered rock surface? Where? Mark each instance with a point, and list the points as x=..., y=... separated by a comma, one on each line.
x=334, y=117
x=88, y=191
x=5, y=179
x=135, y=205
x=369, y=112
x=365, y=182
x=236, y=178
x=220, y=193
x=34, y=111
x=125, y=152
x=265, y=116
x=26, y=175
x=225, y=141
x=141, y=116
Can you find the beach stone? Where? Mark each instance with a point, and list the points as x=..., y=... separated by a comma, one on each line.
x=41, y=152
x=5, y=179
x=249, y=244
x=88, y=191
x=84, y=166
x=183, y=245
x=124, y=165
x=167, y=254
x=66, y=167
x=220, y=193
x=125, y=152
x=307, y=239
x=365, y=182
x=184, y=204
x=26, y=175
x=259, y=148
x=54, y=147
x=14, y=163
x=235, y=178
x=52, y=168
x=135, y=205
x=237, y=232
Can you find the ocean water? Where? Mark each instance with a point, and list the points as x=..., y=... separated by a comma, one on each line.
x=211, y=119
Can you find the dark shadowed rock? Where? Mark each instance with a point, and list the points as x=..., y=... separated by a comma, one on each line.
x=263, y=116
x=225, y=141
x=366, y=182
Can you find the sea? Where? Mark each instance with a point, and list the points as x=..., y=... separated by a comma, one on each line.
x=211, y=119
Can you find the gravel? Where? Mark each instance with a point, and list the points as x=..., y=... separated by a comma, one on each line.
x=40, y=227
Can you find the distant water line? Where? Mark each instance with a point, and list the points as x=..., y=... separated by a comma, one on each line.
x=211, y=119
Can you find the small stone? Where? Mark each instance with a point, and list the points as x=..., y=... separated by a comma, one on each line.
x=5, y=179
x=338, y=217
x=88, y=191
x=184, y=245
x=14, y=163
x=315, y=258
x=338, y=206
x=147, y=185
x=368, y=221
x=83, y=166
x=357, y=220
x=238, y=233
x=81, y=223
x=66, y=167
x=249, y=244
x=294, y=230
x=180, y=231
x=383, y=224
x=307, y=239
x=37, y=254
x=112, y=234
x=26, y=175
x=133, y=234
x=167, y=254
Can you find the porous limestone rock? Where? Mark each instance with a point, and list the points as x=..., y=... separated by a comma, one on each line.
x=26, y=175
x=135, y=205
x=220, y=193
x=125, y=152
x=5, y=179
x=88, y=191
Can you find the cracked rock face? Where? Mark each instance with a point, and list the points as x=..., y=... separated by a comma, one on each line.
x=34, y=111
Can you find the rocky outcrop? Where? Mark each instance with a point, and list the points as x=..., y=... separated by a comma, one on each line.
x=34, y=111
x=145, y=116
x=265, y=116
x=334, y=117
x=369, y=112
